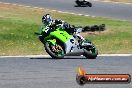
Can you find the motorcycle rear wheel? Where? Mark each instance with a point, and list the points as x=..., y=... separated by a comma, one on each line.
x=89, y=4
x=90, y=52
x=90, y=55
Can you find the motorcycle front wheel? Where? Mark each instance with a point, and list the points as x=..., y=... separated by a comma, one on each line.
x=55, y=51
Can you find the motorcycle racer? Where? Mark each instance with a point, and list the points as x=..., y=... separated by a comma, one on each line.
x=51, y=24
x=83, y=3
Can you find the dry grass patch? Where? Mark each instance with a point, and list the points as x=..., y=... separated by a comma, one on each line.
x=125, y=1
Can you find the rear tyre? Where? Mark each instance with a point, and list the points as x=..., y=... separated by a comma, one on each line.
x=89, y=4
x=49, y=49
x=90, y=52
x=90, y=55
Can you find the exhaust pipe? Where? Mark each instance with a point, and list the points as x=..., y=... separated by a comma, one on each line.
x=78, y=53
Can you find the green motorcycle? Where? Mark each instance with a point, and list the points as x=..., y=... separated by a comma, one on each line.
x=59, y=43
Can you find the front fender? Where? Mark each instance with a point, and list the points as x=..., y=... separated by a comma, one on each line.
x=52, y=41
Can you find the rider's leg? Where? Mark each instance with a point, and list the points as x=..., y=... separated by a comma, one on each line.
x=82, y=41
x=80, y=37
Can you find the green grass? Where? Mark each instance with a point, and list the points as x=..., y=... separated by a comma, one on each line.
x=116, y=42
x=18, y=24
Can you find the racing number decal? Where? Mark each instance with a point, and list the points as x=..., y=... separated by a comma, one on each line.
x=47, y=29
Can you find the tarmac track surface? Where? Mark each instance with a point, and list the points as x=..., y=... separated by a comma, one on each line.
x=101, y=9
x=43, y=72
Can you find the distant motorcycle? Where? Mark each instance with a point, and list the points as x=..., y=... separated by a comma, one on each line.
x=83, y=3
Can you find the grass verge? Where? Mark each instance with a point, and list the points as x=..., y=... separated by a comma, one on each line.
x=18, y=24
x=125, y=1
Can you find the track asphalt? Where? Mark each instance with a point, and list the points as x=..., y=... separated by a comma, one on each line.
x=100, y=9
x=44, y=72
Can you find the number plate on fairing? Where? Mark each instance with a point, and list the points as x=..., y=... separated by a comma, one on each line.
x=72, y=45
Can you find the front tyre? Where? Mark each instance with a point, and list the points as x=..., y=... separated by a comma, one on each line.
x=55, y=51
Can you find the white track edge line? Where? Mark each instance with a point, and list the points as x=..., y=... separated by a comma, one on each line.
x=101, y=55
